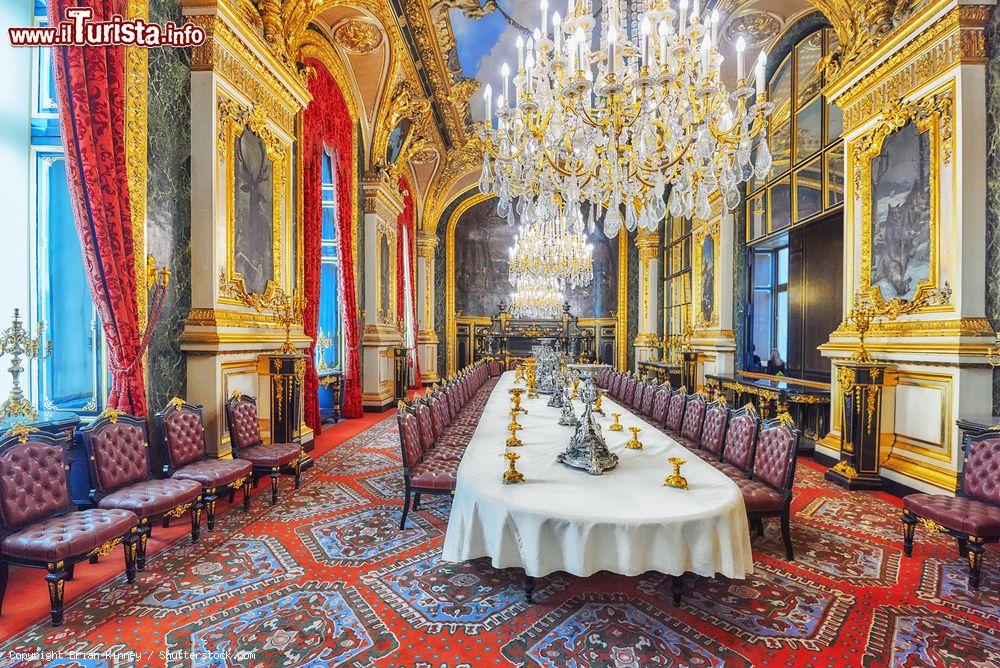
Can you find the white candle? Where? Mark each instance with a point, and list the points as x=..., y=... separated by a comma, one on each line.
x=583, y=46
x=487, y=94
x=528, y=65
x=612, y=37
x=694, y=11
x=684, y=13
x=505, y=72
x=761, y=61
x=544, y=4
x=741, y=45
x=706, y=52
x=715, y=27
x=556, y=32
x=644, y=29
x=662, y=30
x=571, y=47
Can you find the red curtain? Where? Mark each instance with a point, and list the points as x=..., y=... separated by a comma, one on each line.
x=405, y=273
x=327, y=126
x=90, y=90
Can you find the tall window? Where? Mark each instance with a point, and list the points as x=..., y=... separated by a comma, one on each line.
x=74, y=377
x=330, y=339
x=769, y=303
x=677, y=276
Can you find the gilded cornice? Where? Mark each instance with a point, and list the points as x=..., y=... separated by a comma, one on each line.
x=956, y=38
x=382, y=197
x=207, y=317
x=954, y=327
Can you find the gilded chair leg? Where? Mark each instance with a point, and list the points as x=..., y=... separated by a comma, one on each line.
x=275, y=472
x=140, y=554
x=131, y=546
x=786, y=534
x=56, y=579
x=298, y=471
x=963, y=546
x=909, y=528
x=196, y=521
x=210, y=510
x=3, y=582
x=975, y=560
x=246, y=496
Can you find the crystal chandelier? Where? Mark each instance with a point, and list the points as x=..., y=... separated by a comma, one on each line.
x=536, y=297
x=619, y=123
x=549, y=248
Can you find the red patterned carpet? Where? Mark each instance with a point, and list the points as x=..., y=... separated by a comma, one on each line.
x=325, y=578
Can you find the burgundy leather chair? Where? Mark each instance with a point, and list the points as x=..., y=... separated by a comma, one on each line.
x=694, y=417
x=741, y=438
x=247, y=443
x=180, y=434
x=628, y=390
x=713, y=431
x=39, y=528
x=972, y=516
x=117, y=449
x=421, y=475
x=661, y=402
x=768, y=491
x=675, y=411
x=646, y=404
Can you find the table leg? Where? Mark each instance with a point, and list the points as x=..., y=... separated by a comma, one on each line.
x=677, y=587
x=529, y=588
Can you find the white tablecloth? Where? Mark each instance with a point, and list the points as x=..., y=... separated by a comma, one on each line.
x=563, y=519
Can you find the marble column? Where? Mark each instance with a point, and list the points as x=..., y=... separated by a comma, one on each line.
x=427, y=339
x=383, y=204
x=647, y=341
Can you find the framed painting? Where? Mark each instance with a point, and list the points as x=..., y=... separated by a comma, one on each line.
x=897, y=180
x=706, y=245
x=253, y=203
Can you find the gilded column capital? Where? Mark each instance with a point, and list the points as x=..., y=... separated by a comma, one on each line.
x=426, y=244
x=382, y=196
x=648, y=244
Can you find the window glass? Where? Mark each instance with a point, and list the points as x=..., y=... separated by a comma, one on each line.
x=781, y=324
x=809, y=130
x=809, y=189
x=781, y=204
x=835, y=176
x=809, y=52
x=781, y=148
x=781, y=92
x=783, y=265
x=758, y=215
x=761, y=325
x=834, y=122
x=762, y=270
x=330, y=337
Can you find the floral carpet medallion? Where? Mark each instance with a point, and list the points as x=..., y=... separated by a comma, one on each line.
x=770, y=607
x=364, y=536
x=318, y=624
x=946, y=581
x=472, y=597
x=240, y=564
x=614, y=630
x=326, y=578
x=911, y=636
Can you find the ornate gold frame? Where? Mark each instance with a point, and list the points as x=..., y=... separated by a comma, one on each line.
x=386, y=312
x=136, y=139
x=451, y=329
x=713, y=230
x=932, y=113
x=234, y=118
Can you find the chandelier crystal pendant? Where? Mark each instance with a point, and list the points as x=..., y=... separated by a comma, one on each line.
x=548, y=248
x=536, y=297
x=617, y=110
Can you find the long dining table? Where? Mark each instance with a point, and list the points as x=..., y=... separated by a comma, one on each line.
x=624, y=521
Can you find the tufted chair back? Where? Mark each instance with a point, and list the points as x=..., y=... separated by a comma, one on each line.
x=454, y=404
x=440, y=417
x=180, y=433
x=243, y=422
x=661, y=401
x=774, y=459
x=409, y=436
x=675, y=412
x=32, y=477
x=601, y=378
x=495, y=368
x=425, y=426
x=981, y=476
x=644, y=399
x=694, y=416
x=616, y=386
x=741, y=435
x=117, y=449
x=628, y=391
x=713, y=431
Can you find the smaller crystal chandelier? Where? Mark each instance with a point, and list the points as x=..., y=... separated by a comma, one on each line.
x=549, y=248
x=536, y=297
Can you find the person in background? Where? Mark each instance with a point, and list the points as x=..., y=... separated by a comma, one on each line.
x=775, y=365
x=755, y=360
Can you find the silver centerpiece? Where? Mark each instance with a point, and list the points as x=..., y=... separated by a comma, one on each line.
x=557, y=396
x=568, y=416
x=587, y=449
x=546, y=367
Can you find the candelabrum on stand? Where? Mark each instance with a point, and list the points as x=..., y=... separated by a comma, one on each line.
x=513, y=427
x=287, y=308
x=323, y=342
x=512, y=476
x=515, y=398
x=862, y=381
x=17, y=342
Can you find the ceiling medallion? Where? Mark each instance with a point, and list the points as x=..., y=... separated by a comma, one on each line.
x=358, y=35
x=756, y=27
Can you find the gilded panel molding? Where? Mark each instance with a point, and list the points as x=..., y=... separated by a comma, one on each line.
x=233, y=119
x=136, y=138
x=713, y=230
x=932, y=114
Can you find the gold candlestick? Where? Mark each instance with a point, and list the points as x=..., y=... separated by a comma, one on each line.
x=17, y=342
x=530, y=371
x=512, y=475
x=576, y=387
x=515, y=397
x=597, y=404
x=615, y=426
x=635, y=443
x=514, y=427
x=519, y=375
x=676, y=479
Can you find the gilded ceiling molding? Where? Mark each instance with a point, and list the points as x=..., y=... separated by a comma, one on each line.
x=361, y=36
x=459, y=162
x=860, y=27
